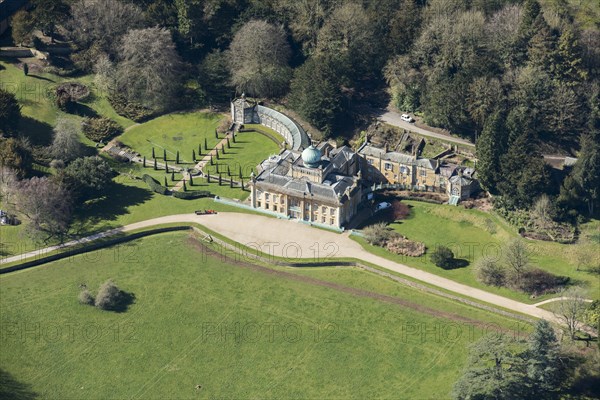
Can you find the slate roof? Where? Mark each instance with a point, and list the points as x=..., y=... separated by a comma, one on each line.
x=275, y=176
x=394, y=156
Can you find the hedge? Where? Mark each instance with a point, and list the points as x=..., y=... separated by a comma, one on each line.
x=154, y=185
x=192, y=194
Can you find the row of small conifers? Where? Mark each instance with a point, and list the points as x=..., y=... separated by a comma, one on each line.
x=155, y=186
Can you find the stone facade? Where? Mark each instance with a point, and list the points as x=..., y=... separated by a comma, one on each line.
x=416, y=173
x=326, y=192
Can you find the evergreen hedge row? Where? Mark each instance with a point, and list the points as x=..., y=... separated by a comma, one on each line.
x=192, y=194
x=154, y=185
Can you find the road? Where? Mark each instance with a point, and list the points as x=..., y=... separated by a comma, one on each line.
x=393, y=118
x=293, y=240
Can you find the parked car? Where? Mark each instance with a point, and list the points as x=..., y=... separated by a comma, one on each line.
x=407, y=118
x=382, y=206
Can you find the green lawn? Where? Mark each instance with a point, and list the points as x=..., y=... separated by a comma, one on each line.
x=181, y=132
x=238, y=332
x=34, y=93
x=249, y=150
x=472, y=234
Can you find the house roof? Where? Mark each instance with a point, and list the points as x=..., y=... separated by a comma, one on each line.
x=393, y=156
x=275, y=176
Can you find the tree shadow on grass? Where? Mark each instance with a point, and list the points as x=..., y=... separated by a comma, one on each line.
x=82, y=110
x=41, y=78
x=10, y=388
x=39, y=133
x=457, y=263
x=95, y=215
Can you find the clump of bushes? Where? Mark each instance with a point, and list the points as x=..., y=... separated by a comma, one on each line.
x=129, y=109
x=491, y=272
x=100, y=129
x=443, y=257
x=154, y=185
x=514, y=270
x=109, y=297
x=381, y=235
x=85, y=297
x=70, y=92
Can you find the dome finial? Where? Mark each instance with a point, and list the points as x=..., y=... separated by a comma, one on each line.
x=311, y=156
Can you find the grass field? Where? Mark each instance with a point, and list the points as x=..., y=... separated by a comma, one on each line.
x=472, y=234
x=37, y=102
x=239, y=332
x=173, y=132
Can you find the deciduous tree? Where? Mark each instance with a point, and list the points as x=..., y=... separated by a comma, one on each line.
x=149, y=71
x=47, y=205
x=103, y=22
x=22, y=25
x=571, y=308
x=258, y=59
x=66, y=144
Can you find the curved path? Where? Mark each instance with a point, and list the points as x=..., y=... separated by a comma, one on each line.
x=393, y=118
x=292, y=240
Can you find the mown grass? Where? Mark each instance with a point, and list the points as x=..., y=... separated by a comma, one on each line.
x=181, y=132
x=199, y=320
x=35, y=95
x=249, y=150
x=472, y=234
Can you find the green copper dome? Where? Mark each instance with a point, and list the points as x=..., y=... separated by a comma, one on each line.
x=311, y=156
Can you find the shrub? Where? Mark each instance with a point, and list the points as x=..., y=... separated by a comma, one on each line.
x=443, y=257
x=129, y=109
x=401, y=245
x=399, y=210
x=85, y=297
x=378, y=234
x=109, y=296
x=537, y=281
x=193, y=194
x=491, y=272
x=100, y=129
x=57, y=164
x=154, y=185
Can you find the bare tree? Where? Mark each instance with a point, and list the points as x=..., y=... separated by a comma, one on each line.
x=348, y=34
x=9, y=181
x=502, y=32
x=66, y=145
x=105, y=71
x=149, y=67
x=47, y=205
x=103, y=22
x=542, y=211
x=258, y=59
x=571, y=308
x=516, y=257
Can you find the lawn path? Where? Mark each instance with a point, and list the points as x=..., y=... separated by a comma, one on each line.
x=205, y=160
x=293, y=240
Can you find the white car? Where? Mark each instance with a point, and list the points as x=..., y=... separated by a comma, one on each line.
x=407, y=118
x=383, y=206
